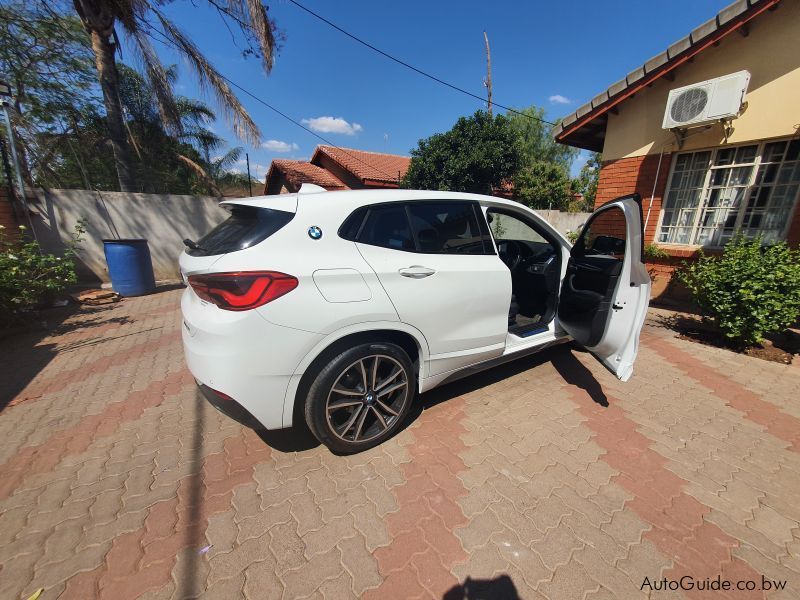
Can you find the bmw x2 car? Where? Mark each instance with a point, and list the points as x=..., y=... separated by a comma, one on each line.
x=340, y=307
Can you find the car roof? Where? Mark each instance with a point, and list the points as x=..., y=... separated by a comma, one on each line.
x=356, y=198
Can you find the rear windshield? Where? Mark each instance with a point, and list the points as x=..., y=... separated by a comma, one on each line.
x=246, y=227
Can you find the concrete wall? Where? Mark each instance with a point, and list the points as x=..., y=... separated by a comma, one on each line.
x=164, y=220
x=564, y=221
x=769, y=52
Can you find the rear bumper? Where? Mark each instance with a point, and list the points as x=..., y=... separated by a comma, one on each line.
x=229, y=407
x=243, y=356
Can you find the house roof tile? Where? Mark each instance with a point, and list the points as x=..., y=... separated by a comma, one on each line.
x=301, y=171
x=368, y=166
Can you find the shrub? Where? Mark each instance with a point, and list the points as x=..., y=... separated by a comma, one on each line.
x=654, y=252
x=749, y=291
x=29, y=277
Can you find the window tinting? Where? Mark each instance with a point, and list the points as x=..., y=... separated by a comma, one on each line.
x=448, y=228
x=387, y=226
x=351, y=225
x=605, y=235
x=246, y=227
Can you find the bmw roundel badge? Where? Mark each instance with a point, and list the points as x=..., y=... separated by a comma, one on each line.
x=314, y=232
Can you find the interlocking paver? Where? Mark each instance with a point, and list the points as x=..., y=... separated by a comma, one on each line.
x=116, y=476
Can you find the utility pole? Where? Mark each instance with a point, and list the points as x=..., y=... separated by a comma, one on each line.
x=249, y=180
x=488, y=82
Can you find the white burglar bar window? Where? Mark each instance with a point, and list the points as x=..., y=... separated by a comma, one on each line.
x=714, y=193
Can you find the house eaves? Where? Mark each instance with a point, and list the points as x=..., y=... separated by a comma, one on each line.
x=586, y=127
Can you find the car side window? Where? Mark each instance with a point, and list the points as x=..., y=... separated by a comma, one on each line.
x=604, y=235
x=509, y=227
x=387, y=226
x=448, y=228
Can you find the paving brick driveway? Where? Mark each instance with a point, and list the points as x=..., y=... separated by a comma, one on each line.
x=545, y=478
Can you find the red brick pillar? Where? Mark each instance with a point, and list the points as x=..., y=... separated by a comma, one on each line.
x=7, y=217
x=636, y=174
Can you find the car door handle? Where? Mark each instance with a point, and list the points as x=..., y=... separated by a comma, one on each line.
x=416, y=272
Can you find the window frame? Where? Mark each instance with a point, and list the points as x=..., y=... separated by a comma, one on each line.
x=489, y=248
x=706, y=188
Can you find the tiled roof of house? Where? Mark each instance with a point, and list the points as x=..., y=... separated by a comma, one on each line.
x=369, y=166
x=301, y=171
x=578, y=129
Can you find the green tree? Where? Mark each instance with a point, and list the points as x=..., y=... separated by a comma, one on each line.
x=161, y=162
x=543, y=185
x=480, y=153
x=46, y=58
x=141, y=22
x=586, y=182
x=537, y=142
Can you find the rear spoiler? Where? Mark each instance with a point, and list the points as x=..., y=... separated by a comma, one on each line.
x=283, y=202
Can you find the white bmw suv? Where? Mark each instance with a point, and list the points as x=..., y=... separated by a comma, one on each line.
x=338, y=307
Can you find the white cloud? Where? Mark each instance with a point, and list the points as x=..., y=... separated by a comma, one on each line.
x=559, y=99
x=279, y=146
x=332, y=125
x=256, y=170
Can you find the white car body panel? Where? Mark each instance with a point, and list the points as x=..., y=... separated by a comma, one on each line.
x=618, y=347
x=461, y=308
x=457, y=317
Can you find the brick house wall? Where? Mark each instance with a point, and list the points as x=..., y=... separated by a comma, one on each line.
x=7, y=217
x=636, y=174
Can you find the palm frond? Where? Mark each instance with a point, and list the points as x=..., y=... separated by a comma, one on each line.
x=211, y=80
x=201, y=137
x=160, y=79
x=194, y=111
x=227, y=160
x=263, y=31
x=201, y=173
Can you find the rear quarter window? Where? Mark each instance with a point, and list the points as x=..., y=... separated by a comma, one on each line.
x=245, y=227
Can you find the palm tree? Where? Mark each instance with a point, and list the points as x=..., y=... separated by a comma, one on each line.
x=143, y=21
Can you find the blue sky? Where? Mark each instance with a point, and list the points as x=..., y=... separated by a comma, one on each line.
x=557, y=55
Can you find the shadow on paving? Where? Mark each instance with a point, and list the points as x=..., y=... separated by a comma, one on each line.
x=299, y=438
x=499, y=588
x=574, y=373
x=188, y=577
x=24, y=354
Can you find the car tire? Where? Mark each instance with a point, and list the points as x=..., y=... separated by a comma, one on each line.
x=355, y=403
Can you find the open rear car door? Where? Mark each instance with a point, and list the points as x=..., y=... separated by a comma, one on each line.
x=606, y=288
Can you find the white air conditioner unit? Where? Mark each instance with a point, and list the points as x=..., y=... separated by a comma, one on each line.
x=717, y=99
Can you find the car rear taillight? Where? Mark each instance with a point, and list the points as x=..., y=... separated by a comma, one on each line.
x=242, y=290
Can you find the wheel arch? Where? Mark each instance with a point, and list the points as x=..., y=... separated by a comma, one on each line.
x=401, y=334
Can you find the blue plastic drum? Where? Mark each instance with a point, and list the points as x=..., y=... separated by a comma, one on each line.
x=130, y=267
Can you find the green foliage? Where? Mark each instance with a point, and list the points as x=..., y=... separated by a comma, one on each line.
x=46, y=58
x=655, y=252
x=749, y=291
x=164, y=161
x=586, y=181
x=536, y=141
x=478, y=154
x=572, y=236
x=543, y=185
x=29, y=277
